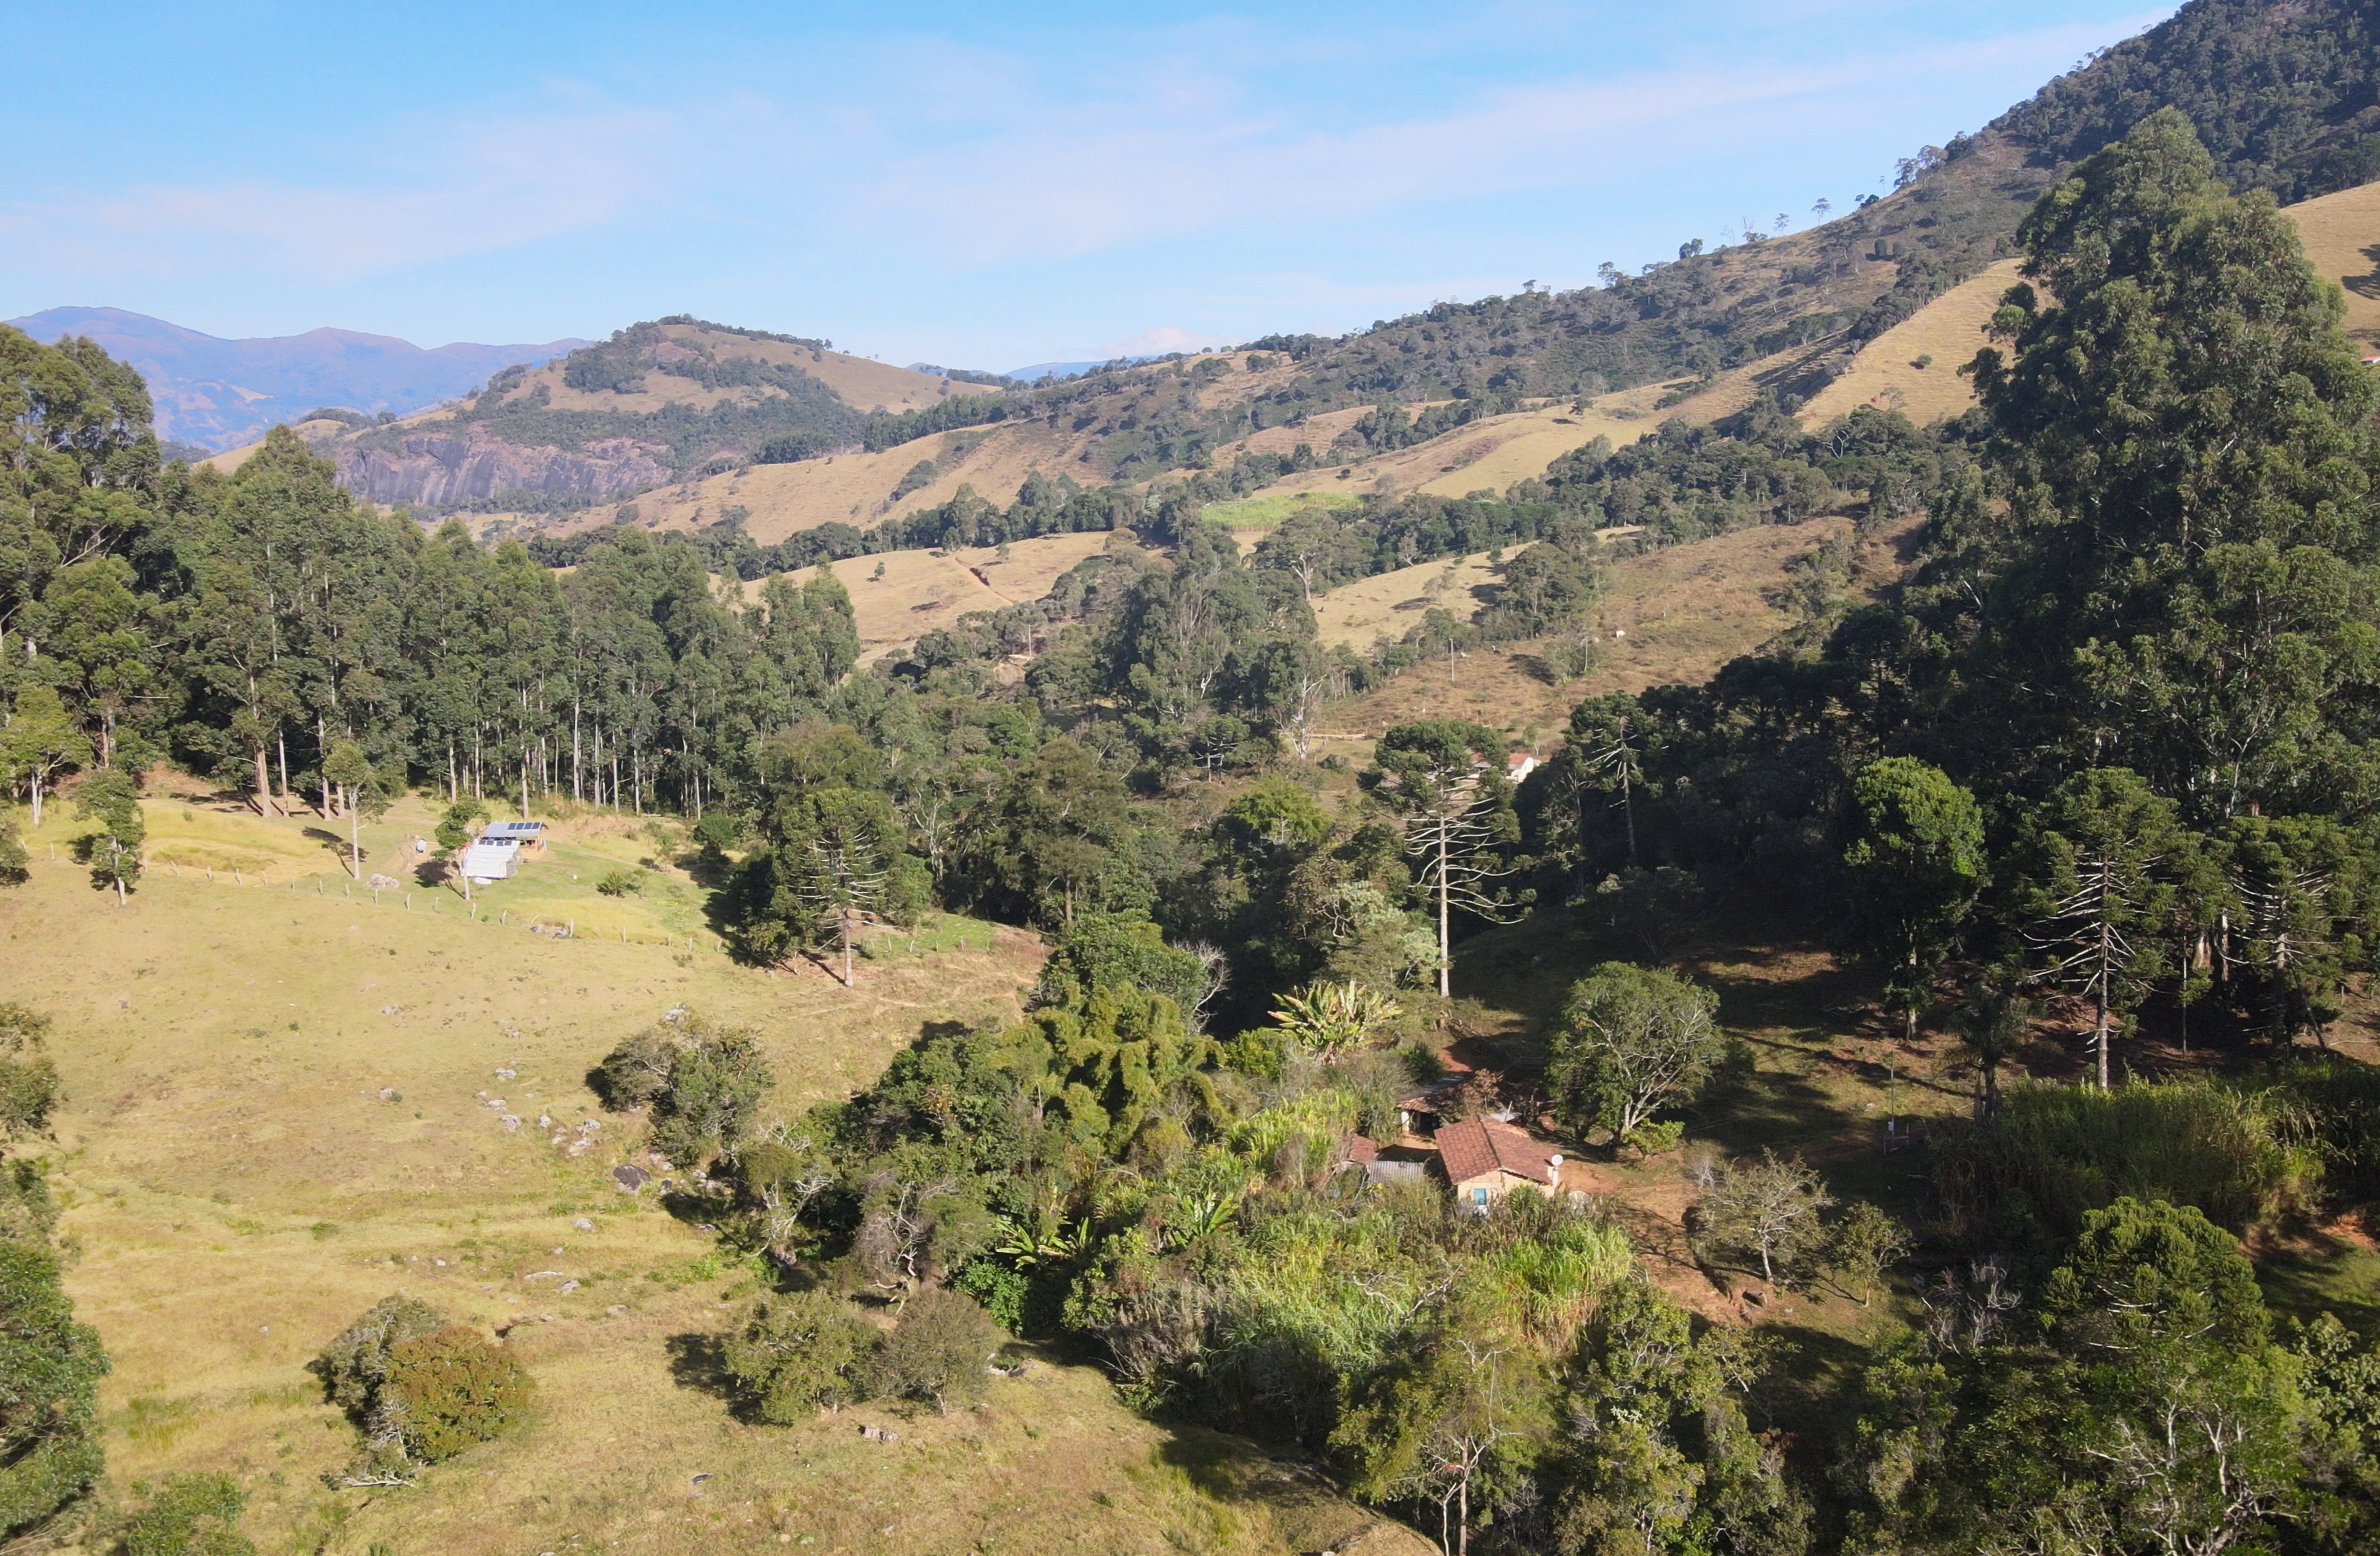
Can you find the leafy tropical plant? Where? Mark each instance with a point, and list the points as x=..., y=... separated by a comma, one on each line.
x=1331, y=1018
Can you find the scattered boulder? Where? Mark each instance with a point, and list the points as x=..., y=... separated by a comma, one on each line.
x=630, y=1178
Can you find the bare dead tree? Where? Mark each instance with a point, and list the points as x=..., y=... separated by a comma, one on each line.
x=2084, y=936
x=1455, y=846
x=1453, y=825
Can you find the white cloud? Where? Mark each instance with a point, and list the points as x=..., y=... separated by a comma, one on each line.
x=948, y=158
x=1182, y=155
x=440, y=193
x=1163, y=338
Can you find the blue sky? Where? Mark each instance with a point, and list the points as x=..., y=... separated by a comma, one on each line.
x=984, y=184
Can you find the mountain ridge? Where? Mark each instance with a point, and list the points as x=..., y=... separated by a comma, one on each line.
x=220, y=391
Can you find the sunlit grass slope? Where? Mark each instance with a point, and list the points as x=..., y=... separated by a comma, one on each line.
x=287, y=1100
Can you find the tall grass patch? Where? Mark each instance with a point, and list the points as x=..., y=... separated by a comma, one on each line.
x=2059, y=1151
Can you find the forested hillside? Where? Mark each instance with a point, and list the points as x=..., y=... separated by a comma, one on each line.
x=1914, y=1092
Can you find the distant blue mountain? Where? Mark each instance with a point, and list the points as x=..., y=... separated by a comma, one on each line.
x=221, y=394
x=1040, y=370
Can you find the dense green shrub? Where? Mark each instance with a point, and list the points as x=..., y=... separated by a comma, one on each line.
x=798, y=1353
x=636, y=1072
x=1111, y=951
x=455, y=1389
x=420, y=1388
x=715, y=1085
x=28, y=1214
x=354, y=1367
x=703, y=1083
x=2339, y=1100
x=1003, y=1291
x=193, y=1514
x=940, y=1353
x=50, y=1368
x=28, y=1077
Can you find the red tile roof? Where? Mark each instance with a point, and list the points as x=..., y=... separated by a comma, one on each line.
x=1479, y=1146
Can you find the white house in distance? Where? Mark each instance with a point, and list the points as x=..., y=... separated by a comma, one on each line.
x=496, y=853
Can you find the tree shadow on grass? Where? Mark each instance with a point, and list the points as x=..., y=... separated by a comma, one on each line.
x=1810, y=1393
x=1304, y=1506
x=707, y=867
x=2324, y=1271
x=334, y=844
x=1777, y=1110
x=2366, y=286
x=1537, y=667
x=701, y=1209
x=699, y=1363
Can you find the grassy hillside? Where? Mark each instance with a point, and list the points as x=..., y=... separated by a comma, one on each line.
x=1669, y=616
x=898, y=597
x=858, y=489
x=657, y=402
x=1943, y=336
x=283, y=1105
x=2341, y=234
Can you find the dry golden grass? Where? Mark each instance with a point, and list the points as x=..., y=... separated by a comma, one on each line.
x=920, y=591
x=856, y=488
x=1486, y=455
x=1492, y=454
x=1387, y=604
x=1317, y=433
x=1949, y=330
x=863, y=385
x=281, y=1108
x=1516, y=447
x=2341, y=234
x=1669, y=616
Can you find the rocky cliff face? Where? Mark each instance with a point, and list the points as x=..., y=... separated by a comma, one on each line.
x=440, y=469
